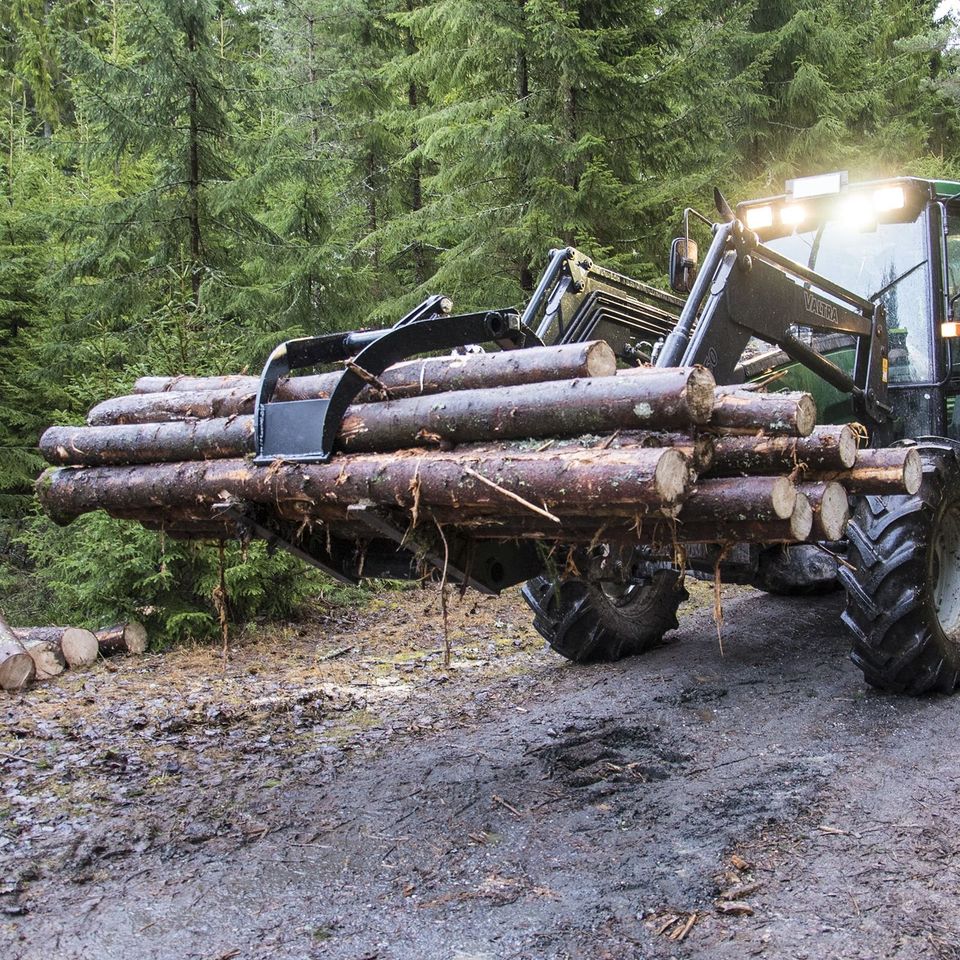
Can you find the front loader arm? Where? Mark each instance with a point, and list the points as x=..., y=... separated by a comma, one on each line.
x=747, y=290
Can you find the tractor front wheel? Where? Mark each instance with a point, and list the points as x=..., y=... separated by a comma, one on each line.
x=589, y=622
x=903, y=586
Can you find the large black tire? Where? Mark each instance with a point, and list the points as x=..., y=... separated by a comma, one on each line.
x=903, y=591
x=793, y=571
x=587, y=622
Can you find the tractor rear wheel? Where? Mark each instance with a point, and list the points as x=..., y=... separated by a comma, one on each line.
x=589, y=622
x=903, y=591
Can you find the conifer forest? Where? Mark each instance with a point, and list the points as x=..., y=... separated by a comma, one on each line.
x=185, y=184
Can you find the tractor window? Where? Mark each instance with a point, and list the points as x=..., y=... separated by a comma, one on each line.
x=889, y=263
x=953, y=252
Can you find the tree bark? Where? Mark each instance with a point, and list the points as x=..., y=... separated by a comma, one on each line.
x=738, y=500
x=128, y=637
x=740, y=411
x=149, y=442
x=649, y=530
x=889, y=471
x=827, y=448
x=587, y=481
x=671, y=398
x=17, y=668
x=229, y=395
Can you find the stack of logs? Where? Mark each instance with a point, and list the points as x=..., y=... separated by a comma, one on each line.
x=550, y=442
x=39, y=653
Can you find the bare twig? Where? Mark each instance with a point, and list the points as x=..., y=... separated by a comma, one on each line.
x=511, y=495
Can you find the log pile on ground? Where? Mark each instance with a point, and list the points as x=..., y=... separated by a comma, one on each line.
x=551, y=443
x=41, y=653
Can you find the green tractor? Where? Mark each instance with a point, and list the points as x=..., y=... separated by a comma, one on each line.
x=848, y=291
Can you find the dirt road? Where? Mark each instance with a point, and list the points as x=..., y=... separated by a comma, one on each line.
x=305, y=800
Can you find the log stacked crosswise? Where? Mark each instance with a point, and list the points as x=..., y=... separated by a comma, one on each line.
x=549, y=443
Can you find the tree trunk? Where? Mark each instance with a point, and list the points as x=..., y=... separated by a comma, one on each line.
x=890, y=471
x=123, y=638
x=17, y=668
x=827, y=448
x=149, y=442
x=588, y=481
x=231, y=395
x=669, y=398
x=740, y=411
x=78, y=646
x=738, y=500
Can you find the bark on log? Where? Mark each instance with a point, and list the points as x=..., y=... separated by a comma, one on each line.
x=128, y=637
x=739, y=500
x=203, y=397
x=165, y=407
x=652, y=531
x=635, y=479
x=47, y=658
x=889, y=471
x=827, y=448
x=667, y=399
x=78, y=646
x=17, y=668
x=831, y=510
x=149, y=442
x=740, y=411
x=414, y=378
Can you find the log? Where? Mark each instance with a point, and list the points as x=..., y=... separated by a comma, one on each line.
x=47, y=658
x=827, y=448
x=739, y=500
x=78, y=646
x=889, y=471
x=181, y=398
x=128, y=637
x=587, y=480
x=164, y=407
x=674, y=398
x=652, y=530
x=412, y=378
x=148, y=443
x=17, y=668
x=831, y=509
x=740, y=411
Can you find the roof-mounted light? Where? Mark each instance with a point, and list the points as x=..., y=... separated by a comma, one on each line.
x=820, y=186
x=793, y=214
x=886, y=199
x=758, y=218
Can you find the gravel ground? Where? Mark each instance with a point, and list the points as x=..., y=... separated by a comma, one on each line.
x=334, y=791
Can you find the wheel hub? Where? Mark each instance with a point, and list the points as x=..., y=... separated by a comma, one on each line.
x=945, y=571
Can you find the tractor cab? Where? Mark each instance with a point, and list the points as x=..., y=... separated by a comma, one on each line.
x=895, y=243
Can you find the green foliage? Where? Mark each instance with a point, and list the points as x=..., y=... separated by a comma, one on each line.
x=184, y=183
x=99, y=570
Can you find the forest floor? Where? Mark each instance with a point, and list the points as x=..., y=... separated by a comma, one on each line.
x=334, y=791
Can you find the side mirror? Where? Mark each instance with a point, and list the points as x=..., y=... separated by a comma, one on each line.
x=683, y=264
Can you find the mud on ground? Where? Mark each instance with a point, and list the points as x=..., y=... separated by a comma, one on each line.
x=334, y=791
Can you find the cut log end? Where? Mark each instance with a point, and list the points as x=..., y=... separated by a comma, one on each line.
x=17, y=671
x=801, y=520
x=806, y=418
x=701, y=394
x=672, y=475
x=46, y=657
x=123, y=638
x=831, y=510
x=600, y=360
x=79, y=647
x=912, y=472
